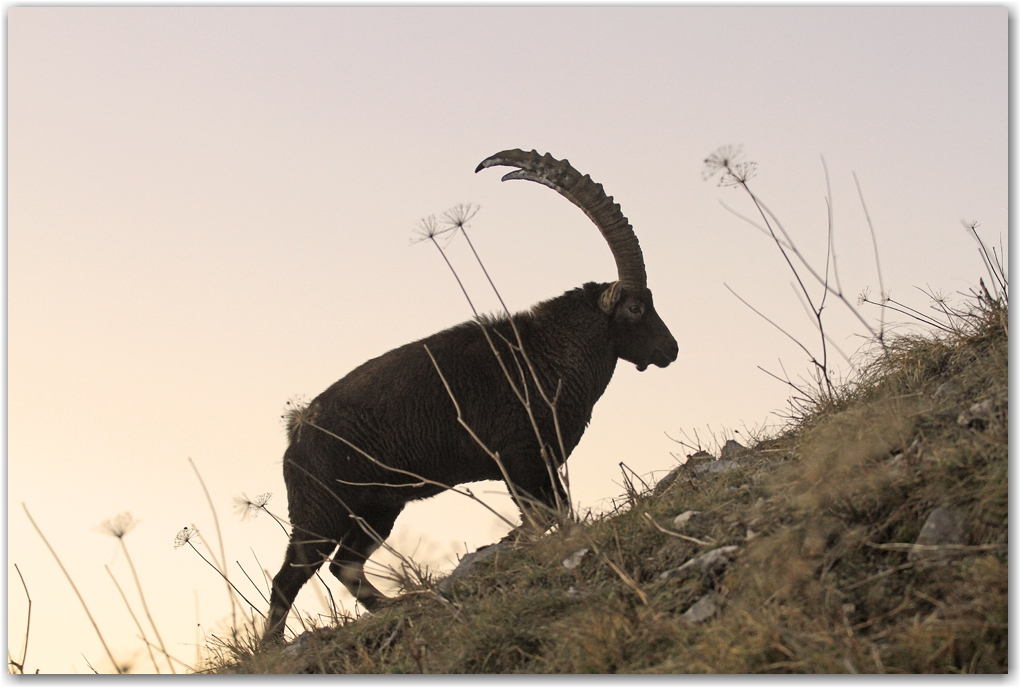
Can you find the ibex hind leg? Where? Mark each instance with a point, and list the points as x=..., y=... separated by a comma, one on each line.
x=304, y=556
x=362, y=541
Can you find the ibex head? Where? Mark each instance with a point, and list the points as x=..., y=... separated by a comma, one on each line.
x=638, y=333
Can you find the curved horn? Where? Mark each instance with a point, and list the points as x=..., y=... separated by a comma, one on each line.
x=585, y=194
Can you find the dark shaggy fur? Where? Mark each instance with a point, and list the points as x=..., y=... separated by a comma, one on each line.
x=396, y=409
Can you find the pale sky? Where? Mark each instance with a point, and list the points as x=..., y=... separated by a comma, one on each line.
x=210, y=212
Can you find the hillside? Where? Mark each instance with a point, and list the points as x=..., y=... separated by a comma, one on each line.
x=868, y=536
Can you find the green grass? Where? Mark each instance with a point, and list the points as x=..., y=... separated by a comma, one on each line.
x=818, y=585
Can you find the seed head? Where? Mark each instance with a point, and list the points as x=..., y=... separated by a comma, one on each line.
x=185, y=536
x=246, y=507
x=117, y=526
x=728, y=162
x=428, y=228
x=458, y=216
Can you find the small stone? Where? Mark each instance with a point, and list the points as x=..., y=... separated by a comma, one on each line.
x=574, y=559
x=977, y=416
x=699, y=457
x=945, y=389
x=943, y=526
x=469, y=561
x=299, y=644
x=915, y=450
x=666, y=482
x=702, y=609
x=680, y=521
x=712, y=466
x=732, y=449
x=712, y=562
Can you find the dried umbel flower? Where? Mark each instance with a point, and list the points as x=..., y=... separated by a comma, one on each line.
x=728, y=161
x=118, y=526
x=298, y=411
x=246, y=507
x=185, y=536
x=458, y=216
x=429, y=228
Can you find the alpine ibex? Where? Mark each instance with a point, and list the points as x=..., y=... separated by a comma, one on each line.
x=352, y=448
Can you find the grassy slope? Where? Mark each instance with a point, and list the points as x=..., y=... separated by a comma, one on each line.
x=815, y=586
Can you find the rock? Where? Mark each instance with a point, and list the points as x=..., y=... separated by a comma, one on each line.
x=574, y=559
x=680, y=521
x=731, y=449
x=663, y=484
x=299, y=645
x=915, y=451
x=945, y=389
x=702, y=609
x=714, y=561
x=469, y=561
x=698, y=457
x=977, y=416
x=734, y=456
x=726, y=464
x=943, y=526
x=714, y=466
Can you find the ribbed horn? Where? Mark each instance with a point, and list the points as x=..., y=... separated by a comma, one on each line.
x=585, y=194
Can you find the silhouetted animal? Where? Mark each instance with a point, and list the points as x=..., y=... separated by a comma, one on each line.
x=396, y=408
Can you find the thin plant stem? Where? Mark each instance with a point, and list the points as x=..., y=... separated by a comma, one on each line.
x=493, y=454
x=28, y=626
x=220, y=572
x=77, y=593
x=662, y=529
x=455, y=275
x=831, y=223
x=332, y=602
x=765, y=215
x=627, y=579
x=461, y=225
x=878, y=263
x=219, y=536
x=141, y=630
x=145, y=605
x=815, y=274
x=750, y=221
x=245, y=572
x=172, y=657
x=265, y=577
x=761, y=315
x=198, y=627
x=904, y=309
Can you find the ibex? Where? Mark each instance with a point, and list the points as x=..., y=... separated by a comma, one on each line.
x=353, y=447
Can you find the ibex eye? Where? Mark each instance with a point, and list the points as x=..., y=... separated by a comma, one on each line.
x=636, y=309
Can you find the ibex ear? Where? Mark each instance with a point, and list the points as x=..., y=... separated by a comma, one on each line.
x=610, y=297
